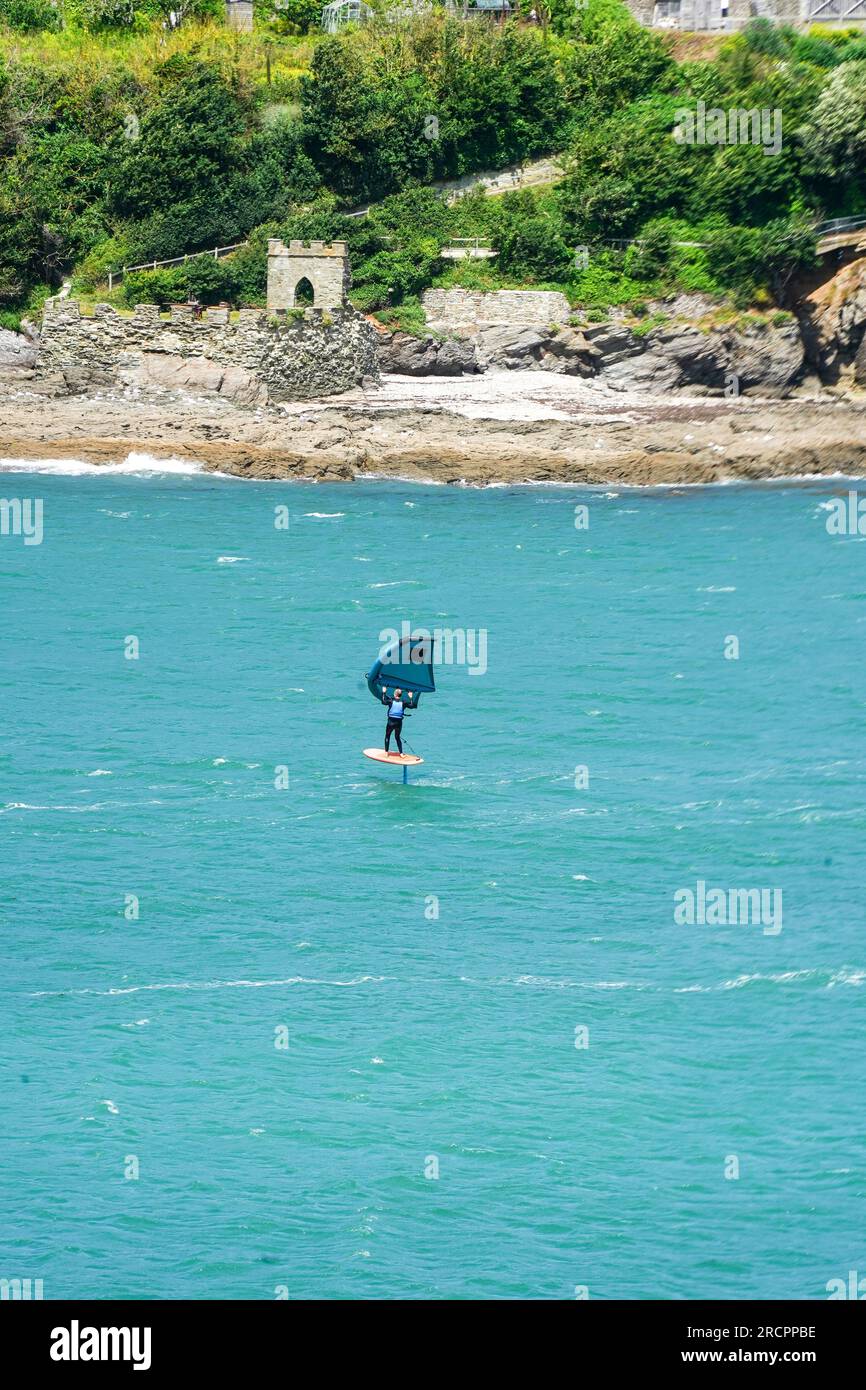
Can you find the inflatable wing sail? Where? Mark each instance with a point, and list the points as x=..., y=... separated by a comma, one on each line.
x=407, y=664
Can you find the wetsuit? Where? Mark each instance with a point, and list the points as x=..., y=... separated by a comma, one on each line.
x=395, y=722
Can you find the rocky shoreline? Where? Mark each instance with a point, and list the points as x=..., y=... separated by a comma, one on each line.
x=680, y=398
x=503, y=427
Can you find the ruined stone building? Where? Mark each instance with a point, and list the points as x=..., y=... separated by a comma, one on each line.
x=292, y=351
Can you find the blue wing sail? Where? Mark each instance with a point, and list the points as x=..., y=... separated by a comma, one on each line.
x=407, y=664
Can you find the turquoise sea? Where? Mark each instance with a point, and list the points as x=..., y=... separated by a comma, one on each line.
x=478, y=974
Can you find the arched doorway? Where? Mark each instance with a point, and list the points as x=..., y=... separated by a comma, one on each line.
x=305, y=295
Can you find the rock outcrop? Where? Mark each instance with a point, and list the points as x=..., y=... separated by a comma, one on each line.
x=758, y=357
x=677, y=346
x=407, y=356
x=18, y=352
x=762, y=358
x=833, y=323
x=502, y=346
x=563, y=350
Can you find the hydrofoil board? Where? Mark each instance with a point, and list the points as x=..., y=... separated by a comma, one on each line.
x=399, y=759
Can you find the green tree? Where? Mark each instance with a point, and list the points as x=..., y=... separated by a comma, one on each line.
x=834, y=137
x=626, y=169
x=530, y=238
x=649, y=256
x=291, y=16
x=29, y=16
x=186, y=144
x=614, y=62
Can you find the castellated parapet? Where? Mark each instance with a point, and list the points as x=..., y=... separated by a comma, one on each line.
x=324, y=265
x=251, y=358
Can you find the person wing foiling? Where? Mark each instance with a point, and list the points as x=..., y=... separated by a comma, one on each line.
x=397, y=708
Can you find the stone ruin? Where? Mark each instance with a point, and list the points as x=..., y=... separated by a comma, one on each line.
x=323, y=265
x=251, y=357
x=286, y=353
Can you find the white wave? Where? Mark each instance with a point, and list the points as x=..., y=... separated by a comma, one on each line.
x=548, y=982
x=845, y=976
x=400, y=478
x=37, y=806
x=231, y=559
x=327, y=516
x=72, y=467
x=200, y=985
x=100, y=772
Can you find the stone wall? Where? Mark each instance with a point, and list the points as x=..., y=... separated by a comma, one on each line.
x=253, y=358
x=324, y=264
x=467, y=311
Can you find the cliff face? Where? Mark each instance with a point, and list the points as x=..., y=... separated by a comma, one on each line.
x=678, y=346
x=757, y=357
x=253, y=359
x=833, y=322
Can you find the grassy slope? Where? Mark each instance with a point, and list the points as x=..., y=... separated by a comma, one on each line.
x=96, y=55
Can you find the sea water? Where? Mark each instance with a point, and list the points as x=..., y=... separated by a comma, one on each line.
x=276, y=1025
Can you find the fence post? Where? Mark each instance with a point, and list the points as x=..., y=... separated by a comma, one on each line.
x=110, y=282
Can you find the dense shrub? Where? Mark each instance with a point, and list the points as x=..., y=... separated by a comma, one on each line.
x=165, y=286
x=115, y=150
x=29, y=16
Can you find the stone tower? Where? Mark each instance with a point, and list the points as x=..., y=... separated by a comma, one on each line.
x=325, y=265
